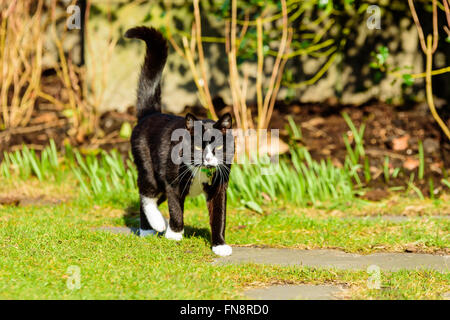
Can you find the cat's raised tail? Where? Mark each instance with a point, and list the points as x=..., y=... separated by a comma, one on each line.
x=149, y=89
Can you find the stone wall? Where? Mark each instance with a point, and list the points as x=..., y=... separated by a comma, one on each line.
x=348, y=81
x=72, y=40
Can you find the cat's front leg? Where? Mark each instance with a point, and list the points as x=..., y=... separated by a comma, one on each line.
x=175, y=228
x=217, y=207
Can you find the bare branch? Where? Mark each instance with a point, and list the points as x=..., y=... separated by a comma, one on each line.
x=419, y=27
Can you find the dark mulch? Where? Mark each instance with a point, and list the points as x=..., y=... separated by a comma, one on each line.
x=392, y=132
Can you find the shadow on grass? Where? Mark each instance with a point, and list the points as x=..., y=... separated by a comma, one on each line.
x=197, y=232
x=131, y=220
x=131, y=215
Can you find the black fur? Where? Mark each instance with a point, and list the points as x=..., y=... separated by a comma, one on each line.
x=149, y=89
x=158, y=176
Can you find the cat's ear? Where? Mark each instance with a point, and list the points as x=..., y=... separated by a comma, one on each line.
x=225, y=122
x=190, y=121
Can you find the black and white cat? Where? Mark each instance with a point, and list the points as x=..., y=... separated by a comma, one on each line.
x=204, y=150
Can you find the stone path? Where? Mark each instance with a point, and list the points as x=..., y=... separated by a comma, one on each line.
x=118, y=230
x=295, y=292
x=325, y=258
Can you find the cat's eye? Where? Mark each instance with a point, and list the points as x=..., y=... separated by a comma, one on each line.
x=197, y=148
x=219, y=148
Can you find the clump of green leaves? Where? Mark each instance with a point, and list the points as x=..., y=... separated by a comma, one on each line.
x=380, y=58
x=300, y=180
x=381, y=66
x=26, y=163
x=105, y=173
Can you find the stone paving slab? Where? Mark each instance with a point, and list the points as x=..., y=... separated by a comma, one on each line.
x=295, y=292
x=325, y=258
x=118, y=230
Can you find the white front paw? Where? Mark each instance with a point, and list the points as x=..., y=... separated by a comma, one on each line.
x=171, y=235
x=222, y=250
x=158, y=223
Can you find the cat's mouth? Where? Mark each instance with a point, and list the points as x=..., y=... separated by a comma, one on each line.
x=210, y=163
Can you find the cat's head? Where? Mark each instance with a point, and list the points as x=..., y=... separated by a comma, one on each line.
x=212, y=143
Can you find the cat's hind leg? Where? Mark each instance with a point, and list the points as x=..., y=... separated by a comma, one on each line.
x=151, y=218
x=145, y=229
x=147, y=208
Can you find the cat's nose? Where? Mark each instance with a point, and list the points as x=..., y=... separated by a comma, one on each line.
x=210, y=162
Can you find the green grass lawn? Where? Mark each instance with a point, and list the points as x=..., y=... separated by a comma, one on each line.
x=39, y=244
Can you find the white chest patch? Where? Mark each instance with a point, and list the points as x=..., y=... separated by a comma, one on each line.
x=197, y=183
